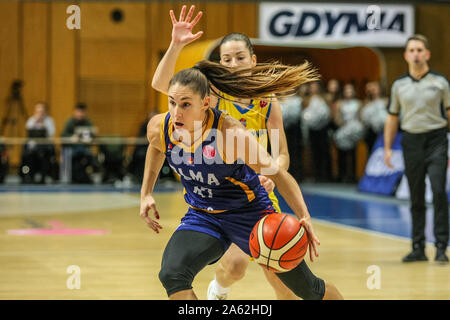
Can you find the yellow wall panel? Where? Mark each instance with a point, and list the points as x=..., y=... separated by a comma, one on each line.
x=115, y=107
x=63, y=66
x=9, y=50
x=244, y=23
x=35, y=53
x=217, y=20
x=112, y=60
x=96, y=22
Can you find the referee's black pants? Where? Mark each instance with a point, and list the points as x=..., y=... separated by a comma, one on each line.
x=426, y=153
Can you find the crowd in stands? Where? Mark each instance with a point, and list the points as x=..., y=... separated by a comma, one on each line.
x=322, y=123
x=330, y=122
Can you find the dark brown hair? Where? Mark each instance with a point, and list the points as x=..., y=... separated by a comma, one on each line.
x=193, y=79
x=237, y=37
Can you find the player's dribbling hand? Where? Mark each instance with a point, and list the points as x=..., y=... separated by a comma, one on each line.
x=267, y=183
x=147, y=204
x=182, y=29
x=312, y=238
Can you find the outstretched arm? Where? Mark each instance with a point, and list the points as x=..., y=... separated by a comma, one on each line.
x=154, y=160
x=181, y=36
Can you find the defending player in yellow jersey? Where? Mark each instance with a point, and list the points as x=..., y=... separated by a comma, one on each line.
x=253, y=117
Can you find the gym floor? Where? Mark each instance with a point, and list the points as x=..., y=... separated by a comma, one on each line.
x=48, y=232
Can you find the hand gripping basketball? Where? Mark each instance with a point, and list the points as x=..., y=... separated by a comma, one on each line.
x=312, y=238
x=280, y=241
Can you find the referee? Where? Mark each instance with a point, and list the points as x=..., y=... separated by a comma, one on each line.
x=421, y=99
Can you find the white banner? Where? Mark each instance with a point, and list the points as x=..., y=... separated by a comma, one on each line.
x=335, y=23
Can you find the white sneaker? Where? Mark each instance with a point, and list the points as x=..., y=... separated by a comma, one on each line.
x=213, y=294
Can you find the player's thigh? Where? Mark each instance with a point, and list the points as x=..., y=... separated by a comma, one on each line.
x=188, y=252
x=234, y=259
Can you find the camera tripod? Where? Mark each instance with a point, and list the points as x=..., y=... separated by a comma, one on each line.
x=15, y=108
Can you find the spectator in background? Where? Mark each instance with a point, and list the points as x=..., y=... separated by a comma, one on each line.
x=350, y=131
x=38, y=158
x=373, y=113
x=316, y=115
x=333, y=95
x=81, y=131
x=137, y=162
x=41, y=120
x=291, y=108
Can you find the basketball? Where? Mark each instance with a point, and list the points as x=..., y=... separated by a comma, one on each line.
x=278, y=242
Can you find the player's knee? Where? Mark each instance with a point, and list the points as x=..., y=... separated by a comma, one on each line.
x=175, y=279
x=304, y=283
x=315, y=291
x=236, y=266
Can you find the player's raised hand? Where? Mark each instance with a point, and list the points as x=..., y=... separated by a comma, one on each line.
x=147, y=204
x=182, y=29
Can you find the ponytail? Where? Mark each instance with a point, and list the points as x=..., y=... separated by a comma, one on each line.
x=260, y=81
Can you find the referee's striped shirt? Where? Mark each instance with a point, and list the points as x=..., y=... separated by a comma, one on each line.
x=421, y=104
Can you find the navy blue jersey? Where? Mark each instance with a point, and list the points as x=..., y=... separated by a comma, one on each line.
x=210, y=184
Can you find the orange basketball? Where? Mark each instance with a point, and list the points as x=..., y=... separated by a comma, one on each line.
x=278, y=242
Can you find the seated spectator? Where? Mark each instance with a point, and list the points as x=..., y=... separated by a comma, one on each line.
x=137, y=162
x=81, y=132
x=111, y=159
x=350, y=131
x=38, y=158
x=373, y=113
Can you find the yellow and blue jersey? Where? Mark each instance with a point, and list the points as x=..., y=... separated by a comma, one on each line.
x=210, y=184
x=254, y=117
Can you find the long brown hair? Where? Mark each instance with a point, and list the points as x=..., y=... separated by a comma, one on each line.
x=260, y=81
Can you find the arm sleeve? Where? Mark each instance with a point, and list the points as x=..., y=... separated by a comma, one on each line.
x=68, y=129
x=394, y=104
x=30, y=123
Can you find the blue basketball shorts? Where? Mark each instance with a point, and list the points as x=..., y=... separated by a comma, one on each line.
x=233, y=226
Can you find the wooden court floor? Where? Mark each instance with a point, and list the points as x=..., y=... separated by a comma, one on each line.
x=122, y=262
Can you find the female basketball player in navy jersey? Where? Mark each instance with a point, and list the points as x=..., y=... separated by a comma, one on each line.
x=224, y=193
x=236, y=52
x=259, y=116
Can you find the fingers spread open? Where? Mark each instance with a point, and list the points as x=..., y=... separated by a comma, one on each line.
x=190, y=13
x=182, y=13
x=196, y=19
x=172, y=17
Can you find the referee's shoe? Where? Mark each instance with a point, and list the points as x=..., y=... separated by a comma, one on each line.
x=415, y=255
x=440, y=254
